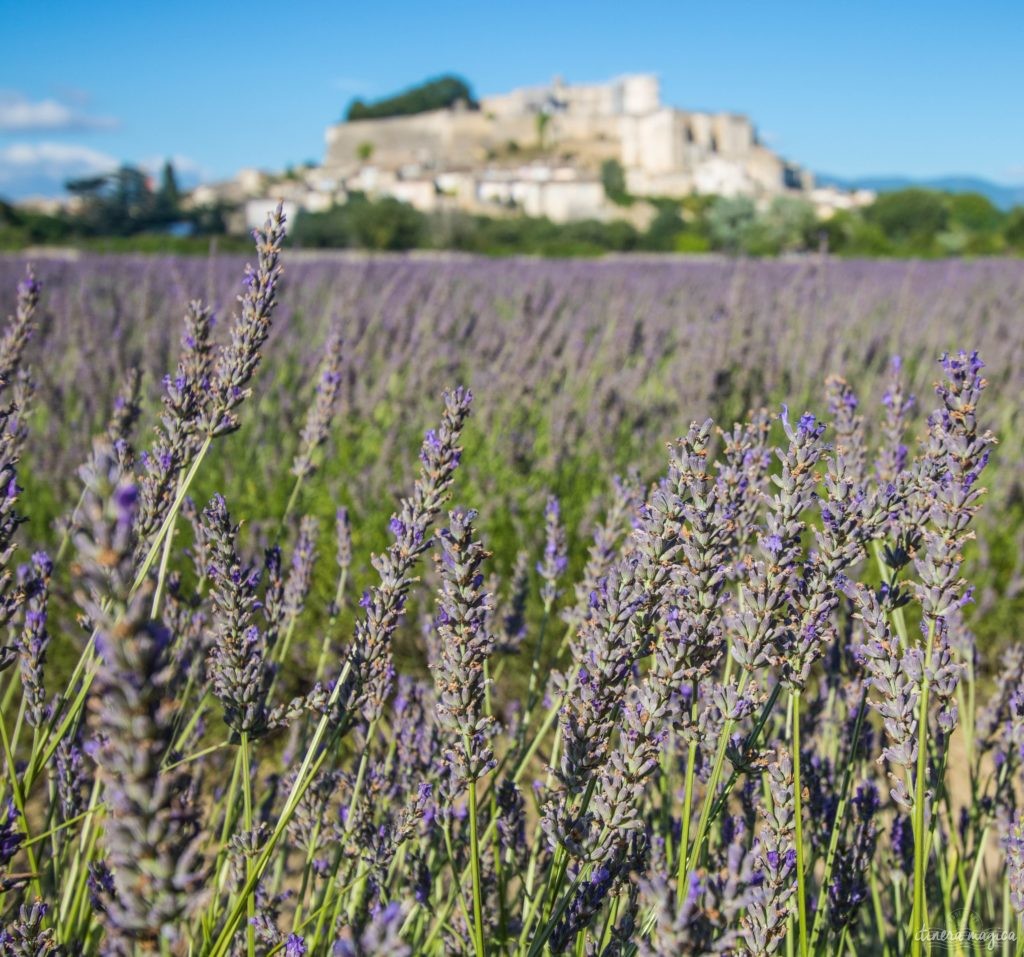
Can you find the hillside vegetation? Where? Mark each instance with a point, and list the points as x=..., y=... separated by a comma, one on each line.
x=435, y=94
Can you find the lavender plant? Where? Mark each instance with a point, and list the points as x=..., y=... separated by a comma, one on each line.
x=728, y=708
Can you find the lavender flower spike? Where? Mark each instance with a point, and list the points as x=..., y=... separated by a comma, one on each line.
x=152, y=834
x=234, y=366
x=554, y=563
x=369, y=663
x=465, y=645
x=318, y=419
x=239, y=672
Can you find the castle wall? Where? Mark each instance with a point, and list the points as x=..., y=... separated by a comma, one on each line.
x=734, y=135
x=436, y=139
x=640, y=94
x=444, y=139
x=717, y=176
x=653, y=143
x=641, y=183
x=766, y=170
x=701, y=131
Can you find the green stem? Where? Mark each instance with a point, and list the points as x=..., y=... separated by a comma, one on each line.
x=250, y=901
x=350, y=817
x=474, y=845
x=710, y=792
x=447, y=832
x=168, y=521
x=165, y=559
x=292, y=499
x=798, y=815
x=312, y=761
x=19, y=802
x=881, y=931
x=684, y=841
x=919, y=916
x=64, y=825
x=65, y=910
x=532, y=693
x=718, y=805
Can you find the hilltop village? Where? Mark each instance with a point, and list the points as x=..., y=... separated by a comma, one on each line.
x=546, y=150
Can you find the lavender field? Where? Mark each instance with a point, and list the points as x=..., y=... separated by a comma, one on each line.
x=399, y=606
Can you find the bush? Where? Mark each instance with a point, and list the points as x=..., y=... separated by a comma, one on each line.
x=385, y=224
x=665, y=227
x=691, y=243
x=910, y=216
x=728, y=220
x=974, y=213
x=1013, y=231
x=613, y=178
x=388, y=224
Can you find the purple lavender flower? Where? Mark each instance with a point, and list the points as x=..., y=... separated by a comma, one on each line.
x=369, y=666
x=240, y=675
x=553, y=565
x=234, y=366
x=27, y=936
x=318, y=418
x=300, y=577
x=34, y=640
x=152, y=834
x=465, y=646
x=11, y=837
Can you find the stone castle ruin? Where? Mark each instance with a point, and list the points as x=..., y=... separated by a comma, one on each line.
x=541, y=149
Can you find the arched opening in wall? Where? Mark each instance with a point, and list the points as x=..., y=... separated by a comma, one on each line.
x=714, y=143
x=688, y=133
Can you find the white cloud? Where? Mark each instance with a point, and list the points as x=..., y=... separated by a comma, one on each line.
x=20, y=156
x=74, y=95
x=18, y=114
x=28, y=169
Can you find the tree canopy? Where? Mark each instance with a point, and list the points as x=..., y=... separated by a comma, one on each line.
x=436, y=94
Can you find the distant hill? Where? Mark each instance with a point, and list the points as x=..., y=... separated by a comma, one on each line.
x=1000, y=194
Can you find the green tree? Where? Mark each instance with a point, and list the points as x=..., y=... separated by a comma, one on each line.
x=436, y=94
x=613, y=178
x=331, y=229
x=388, y=224
x=664, y=229
x=168, y=197
x=975, y=213
x=910, y=217
x=788, y=225
x=728, y=219
x=1013, y=231
x=542, y=121
x=117, y=204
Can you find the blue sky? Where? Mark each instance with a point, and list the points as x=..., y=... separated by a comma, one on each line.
x=851, y=89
